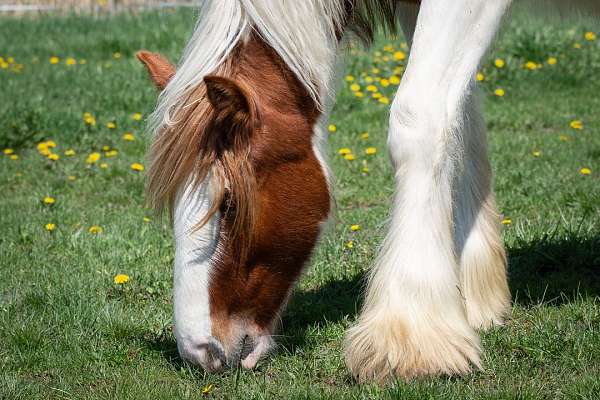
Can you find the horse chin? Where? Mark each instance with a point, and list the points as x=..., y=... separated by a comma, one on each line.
x=262, y=345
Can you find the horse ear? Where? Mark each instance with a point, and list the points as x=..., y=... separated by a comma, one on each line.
x=160, y=69
x=233, y=102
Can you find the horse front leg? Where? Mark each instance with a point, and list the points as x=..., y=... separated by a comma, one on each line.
x=413, y=321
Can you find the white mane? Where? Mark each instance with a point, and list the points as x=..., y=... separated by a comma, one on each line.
x=303, y=33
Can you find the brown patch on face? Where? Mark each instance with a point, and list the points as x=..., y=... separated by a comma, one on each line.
x=292, y=200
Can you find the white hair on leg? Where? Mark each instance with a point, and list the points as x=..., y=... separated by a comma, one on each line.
x=477, y=230
x=413, y=321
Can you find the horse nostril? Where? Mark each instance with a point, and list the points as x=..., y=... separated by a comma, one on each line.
x=247, y=347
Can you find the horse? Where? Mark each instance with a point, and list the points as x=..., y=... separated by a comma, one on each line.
x=238, y=157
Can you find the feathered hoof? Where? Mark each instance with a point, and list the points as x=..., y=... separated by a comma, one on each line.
x=383, y=348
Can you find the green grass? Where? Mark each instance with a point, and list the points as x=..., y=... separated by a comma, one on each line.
x=67, y=331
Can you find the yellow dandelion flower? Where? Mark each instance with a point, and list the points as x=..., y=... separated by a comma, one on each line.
x=111, y=125
x=384, y=100
x=8, y=151
x=103, y=165
x=355, y=227
x=364, y=135
x=564, y=138
x=576, y=124
x=499, y=92
x=206, y=389
x=399, y=55
x=105, y=148
x=576, y=45
x=590, y=36
x=53, y=156
x=499, y=63
x=384, y=82
x=13, y=157
x=375, y=71
x=376, y=95
x=388, y=48
x=332, y=128
x=54, y=60
x=137, y=167
x=83, y=62
x=128, y=136
x=479, y=77
x=71, y=178
x=585, y=171
x=369, y=79
x=398, y=70
x=70, y=61
x=371, y=88
x=69, y=152
x=506, y=221
x=111, y=153
x=120, y=279
x=349, y=78
x=344, y=150
x=92, y=158
x=371, y=150
x=42, y=146
x=95, y=229
x=137, y=116
x=365, y=170
x=49, y=200
x=355, y=87
x=536, y=153
x=552, y=60
x=394, y=80
x=530, y=65
x=116, y=55
x=146, y=219
x=50, y=143
x=359, y=94
x=350, y=244
x=89, y=120
x=50, y=227
x=349, y=157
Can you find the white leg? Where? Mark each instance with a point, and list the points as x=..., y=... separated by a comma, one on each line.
x=193, y=253
x=413, y=321
x=477, y=231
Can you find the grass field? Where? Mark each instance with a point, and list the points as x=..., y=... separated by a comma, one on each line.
x=67, y=330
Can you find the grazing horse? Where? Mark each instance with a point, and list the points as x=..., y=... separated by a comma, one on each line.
x=238, y=159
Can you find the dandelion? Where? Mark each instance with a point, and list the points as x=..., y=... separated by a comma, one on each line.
x=349, y=78
x=350, y=244
x=576, y=45
x=530, y=65
x=590, y=36
x=50, y=143
x=506, y=221
x=70, y=61
x=376, y=95
x=359, y=94
x=89, y=119
x=371, y=88
x=137, y=116
x=14, y=157
x=394, y=80
x=576, y=124
x=105, y=148
x=365, y=170
x=585, y=171
x=355, y=87
x=95, y=229
x=137, y=167
x=50, y=227
x=103, y=165
x=564, y=138
x=53, y=156
x=536, y=153
x=146, y=219
x=128, y=136
x=332, y=128
x=54, y=60
x=479, y=77
x=117, y=55
x=111, y=125
x=92, y=158
x=552, y=60
x=71, y=178
x=364, y=135
x=355, y=227
x=499, y=92
x=384, y=83
x=82, y=62
x=206, y=389
x=371, y=150
x=69, y=153
x=120, y=279
x=8, y=151
x=399, y=55
x=384, y=100
x=111, y=153
x=499, y=63
x=49, y=200
x=368, y=79
x=344, y=150
x=349, y=157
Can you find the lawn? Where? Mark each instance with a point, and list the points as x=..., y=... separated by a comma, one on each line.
x=73, y=217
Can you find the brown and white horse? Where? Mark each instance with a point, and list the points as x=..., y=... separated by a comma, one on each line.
x=237, y=158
